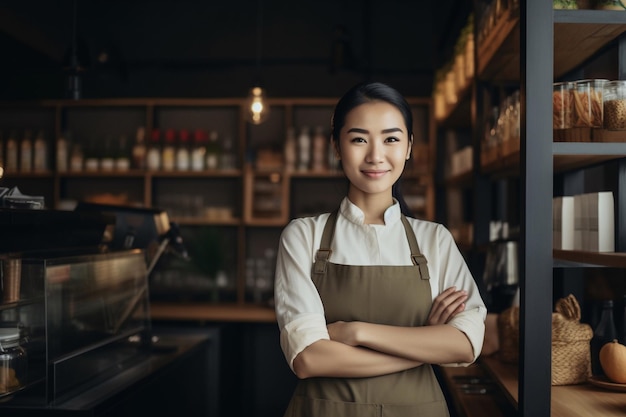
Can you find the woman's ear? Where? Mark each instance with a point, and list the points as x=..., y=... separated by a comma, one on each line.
x=410, y=150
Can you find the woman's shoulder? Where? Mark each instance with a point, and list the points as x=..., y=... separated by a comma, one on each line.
x=429, y=228
x=306, y=224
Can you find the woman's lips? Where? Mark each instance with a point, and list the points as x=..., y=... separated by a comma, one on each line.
x=374, y=174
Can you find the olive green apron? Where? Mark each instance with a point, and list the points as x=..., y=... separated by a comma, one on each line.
x=392, y=295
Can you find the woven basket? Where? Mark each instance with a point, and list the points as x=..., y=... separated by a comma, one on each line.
x=571, y=357
x=571, y=354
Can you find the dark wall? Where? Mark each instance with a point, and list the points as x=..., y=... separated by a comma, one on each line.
x=192, y=48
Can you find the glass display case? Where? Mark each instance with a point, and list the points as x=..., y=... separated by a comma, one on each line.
x=76, y=317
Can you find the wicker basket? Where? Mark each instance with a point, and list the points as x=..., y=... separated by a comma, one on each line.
x=571, y=354
x=571, y=357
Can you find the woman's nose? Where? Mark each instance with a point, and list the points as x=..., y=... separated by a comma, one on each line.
x=374, y=153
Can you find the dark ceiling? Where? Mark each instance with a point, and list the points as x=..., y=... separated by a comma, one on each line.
x=195, y=48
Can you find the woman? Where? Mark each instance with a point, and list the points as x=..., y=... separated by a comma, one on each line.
x=366, y=298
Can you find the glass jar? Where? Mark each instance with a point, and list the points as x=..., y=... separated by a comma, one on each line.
x=611, y=4
x=562, y=105
x=615, y=105
x=587, y=103
x=13, y=361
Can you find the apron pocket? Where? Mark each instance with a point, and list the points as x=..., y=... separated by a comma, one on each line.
x=315, y=407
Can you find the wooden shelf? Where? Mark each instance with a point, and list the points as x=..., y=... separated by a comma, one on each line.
x=462, y=179
x=577, y=36
x=576, y=257
x=566, y=400
x=202, y=221
x=212, y=312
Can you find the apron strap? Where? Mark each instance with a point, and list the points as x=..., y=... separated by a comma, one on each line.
x=416, y=255
x=323, y=253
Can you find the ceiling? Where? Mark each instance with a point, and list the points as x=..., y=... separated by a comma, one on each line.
x=217, y=48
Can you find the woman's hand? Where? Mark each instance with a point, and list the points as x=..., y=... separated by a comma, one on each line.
x=446, y=305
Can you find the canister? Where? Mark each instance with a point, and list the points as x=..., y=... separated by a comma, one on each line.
x=615, y=105
x=13, y=361
x=562, y=105
x=587, y=103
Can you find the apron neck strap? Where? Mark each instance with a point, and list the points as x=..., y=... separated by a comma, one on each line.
x=416, y=255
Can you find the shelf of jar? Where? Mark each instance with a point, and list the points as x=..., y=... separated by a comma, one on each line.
x=578, y=258
x=458, y=115
x=566, y=400
x=578, y=34
x=504, y=158
x=235, y=312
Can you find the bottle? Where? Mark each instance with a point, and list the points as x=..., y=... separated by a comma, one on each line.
x=304, y=149
x=92, y=155
x=290, y=149
x=12, y=152
x=604, y=332
x=62, y=152
x=107, y=158
x=183, y=157
x=319, y=149
x=227, y=156
x=26, y=152
x=139, y=149
x=122, y=161
x=40, y=153
x=168, y=152
x=212, y=151
x=198, y=152
x=153, y=155
x=77, y=158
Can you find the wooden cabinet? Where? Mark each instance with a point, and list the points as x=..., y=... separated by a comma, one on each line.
x=529, y=49
x=230, y=218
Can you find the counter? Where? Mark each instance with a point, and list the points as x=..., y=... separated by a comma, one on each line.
x=179, y=375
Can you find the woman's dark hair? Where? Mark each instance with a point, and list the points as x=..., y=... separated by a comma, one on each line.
x=367, y=92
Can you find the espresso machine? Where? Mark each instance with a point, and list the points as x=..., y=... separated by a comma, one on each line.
x=74, y=305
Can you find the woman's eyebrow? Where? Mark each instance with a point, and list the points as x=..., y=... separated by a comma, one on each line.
x=359, y=130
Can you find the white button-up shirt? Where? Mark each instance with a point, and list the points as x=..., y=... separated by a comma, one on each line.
x=299, y=309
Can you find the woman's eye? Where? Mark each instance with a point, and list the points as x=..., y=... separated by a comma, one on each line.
x=358, y=140
x=392, y=139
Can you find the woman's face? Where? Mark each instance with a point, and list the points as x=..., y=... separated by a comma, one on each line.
x=373, y=147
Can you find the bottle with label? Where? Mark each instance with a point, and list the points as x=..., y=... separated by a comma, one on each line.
x=198, y=152
x=604, y=332
x=168, y=152
x=183, y=156
x=304, y=149
x=122, y=160
x=290, y=149
x=319, y=149
x=12, y=152
x=40, y=153
x=153, y=155
x=26, y=152
x=62, y=152
x=139, y=149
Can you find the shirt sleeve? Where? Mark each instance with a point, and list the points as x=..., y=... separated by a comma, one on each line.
x=299, y=309
x=454, y=272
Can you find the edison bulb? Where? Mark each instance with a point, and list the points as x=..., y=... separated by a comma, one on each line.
x=257, y=110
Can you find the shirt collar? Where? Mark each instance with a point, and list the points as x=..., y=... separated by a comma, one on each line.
x=355, y=215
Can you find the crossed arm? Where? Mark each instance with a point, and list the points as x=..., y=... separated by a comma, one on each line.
x=359, y=349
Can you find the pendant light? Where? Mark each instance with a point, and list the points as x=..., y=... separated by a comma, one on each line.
x=75, y=61
x=256, y=103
